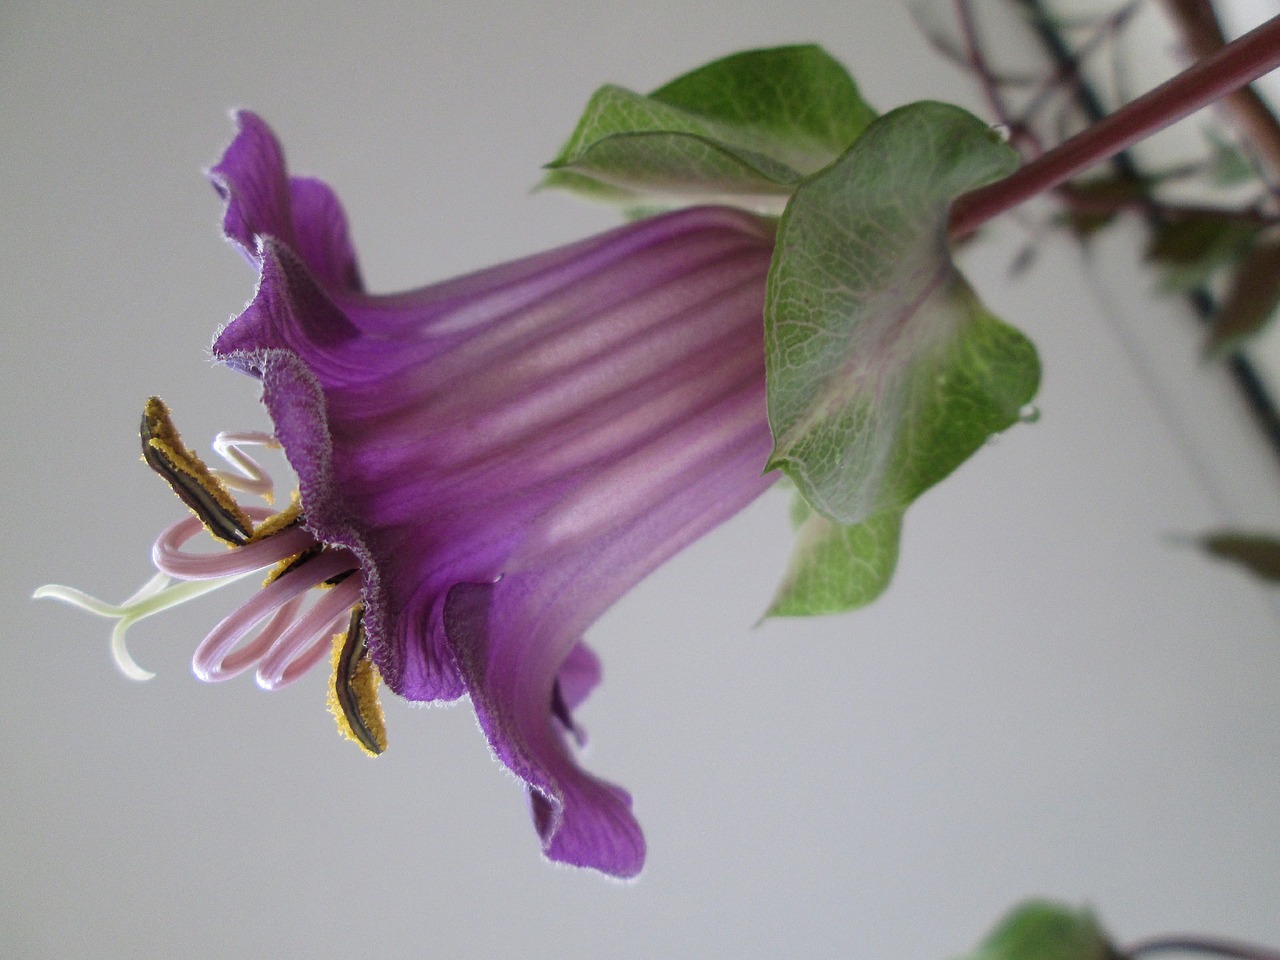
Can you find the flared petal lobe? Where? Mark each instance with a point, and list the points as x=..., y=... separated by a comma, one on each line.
x=509, y=452
x=263, y=200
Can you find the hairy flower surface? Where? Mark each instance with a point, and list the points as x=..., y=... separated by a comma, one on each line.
x=485, y=465
x=503, y=455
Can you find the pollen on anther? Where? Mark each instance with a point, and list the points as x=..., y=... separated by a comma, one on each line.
x=353, y=689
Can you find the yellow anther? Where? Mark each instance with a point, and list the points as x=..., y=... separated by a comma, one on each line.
x=191, y=480
x=278, y=521
x=353, y=689
x=274, y=524
x=292, y=563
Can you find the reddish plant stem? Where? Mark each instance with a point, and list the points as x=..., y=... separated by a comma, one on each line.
x=1232, y=67
x=1255, y=392
x=1202, y=36
x=1235, y=949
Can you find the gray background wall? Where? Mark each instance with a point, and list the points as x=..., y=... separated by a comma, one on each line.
x=1053, y=698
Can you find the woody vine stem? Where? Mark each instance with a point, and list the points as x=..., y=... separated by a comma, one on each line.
x=1212, y=946
x=1231, y=68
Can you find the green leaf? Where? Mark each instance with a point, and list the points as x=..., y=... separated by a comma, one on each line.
x=835, y=567
x=1039, y=930
x=751, y=125
x=1228, y=167
x=884, y=371
x=1252, y=299
x=1258, y=553
x=1190, y=251
x=1090, y=205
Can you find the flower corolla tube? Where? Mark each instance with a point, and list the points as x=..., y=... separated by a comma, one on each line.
x=485, y=465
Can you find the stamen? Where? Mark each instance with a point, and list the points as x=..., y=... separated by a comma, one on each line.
x=353, y=689
x=169, y=558
x=292, y=562
x=250, y=478
x=213, y=659
x=191, y=480
x=289, y=644
x=252, y=652
x=290, y=515
x=308, y=639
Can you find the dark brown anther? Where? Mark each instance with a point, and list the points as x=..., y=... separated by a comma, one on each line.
x=291, y=564
x=166, y=454
x=349, y=685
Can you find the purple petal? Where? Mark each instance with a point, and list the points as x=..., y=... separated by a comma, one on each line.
x=323, y=239
x=579, y=675
x=582, y=820
x=514, y=638
x=509, y=452
x=251, y=178
x=291, y=318
x=263, y=201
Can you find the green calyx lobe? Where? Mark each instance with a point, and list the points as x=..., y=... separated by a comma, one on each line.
x=834, y=566
x=747, y=128
x=1259, y=553
x=1041, y=930
x=884, y=370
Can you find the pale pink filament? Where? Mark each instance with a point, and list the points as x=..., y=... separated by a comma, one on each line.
x=250, y=477
x=289, y=644
x=309, y=639
x=169, y=558
x=214, y=659
x=244, y=658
